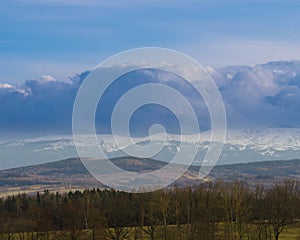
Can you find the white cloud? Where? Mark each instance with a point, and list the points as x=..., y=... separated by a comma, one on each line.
x=6, y=86
x=46, y=79
x=256, y=96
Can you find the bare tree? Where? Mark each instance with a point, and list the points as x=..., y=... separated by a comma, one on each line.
x=280, y=206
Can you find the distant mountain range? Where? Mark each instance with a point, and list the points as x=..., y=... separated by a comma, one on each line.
x=241, y=146
x=70, y=174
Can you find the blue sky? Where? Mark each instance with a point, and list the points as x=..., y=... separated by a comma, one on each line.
x=64, y=37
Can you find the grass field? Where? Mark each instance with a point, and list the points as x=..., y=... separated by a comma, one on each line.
x=290, y=233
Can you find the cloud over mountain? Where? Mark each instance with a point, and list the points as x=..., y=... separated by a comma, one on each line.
x=266, y=95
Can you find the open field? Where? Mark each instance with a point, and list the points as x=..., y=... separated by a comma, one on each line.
x=291, y=232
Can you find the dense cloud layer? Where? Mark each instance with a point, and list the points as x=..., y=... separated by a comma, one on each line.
x=267, y=95
x=261, y=96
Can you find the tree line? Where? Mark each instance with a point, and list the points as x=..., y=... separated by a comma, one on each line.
x=230, y=211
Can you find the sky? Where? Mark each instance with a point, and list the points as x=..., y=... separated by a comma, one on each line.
x=47, y=46
x=61, y=38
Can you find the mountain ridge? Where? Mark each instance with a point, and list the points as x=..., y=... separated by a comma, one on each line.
x=241, y=145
